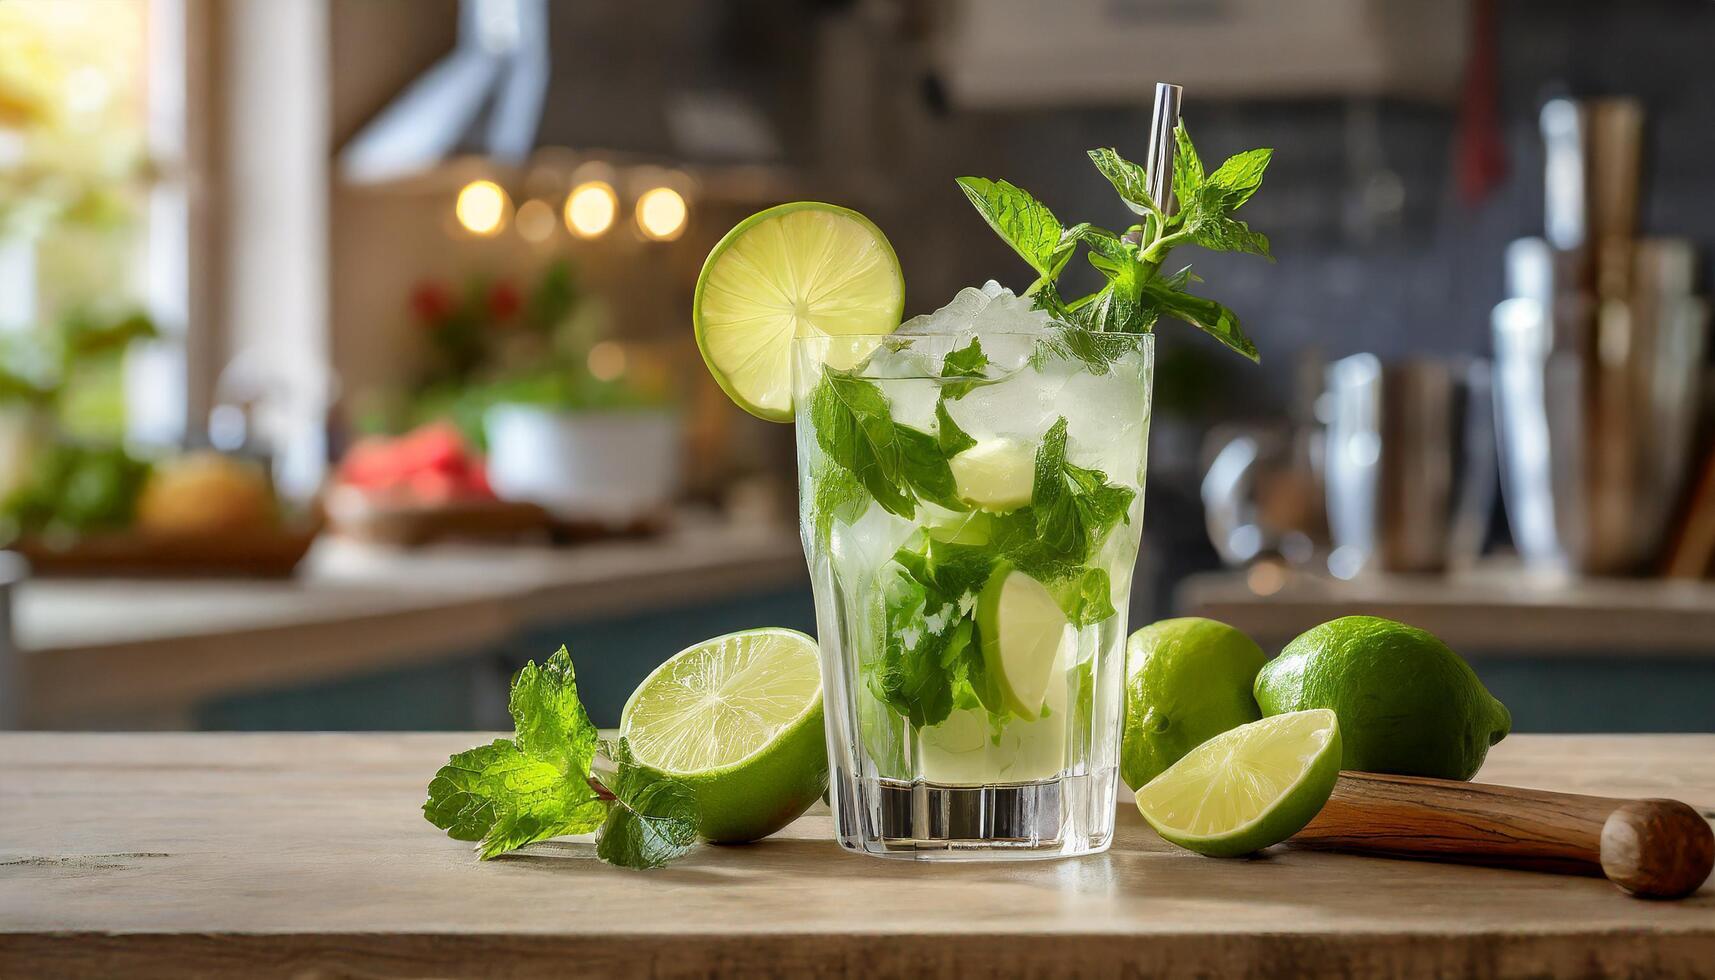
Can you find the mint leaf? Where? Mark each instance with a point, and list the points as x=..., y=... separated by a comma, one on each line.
x=463, y=795
x=1239, y=177
x=838, y=497
x=1187, y=167
x=1023, y=222
x=952, y=439
x=1075, y=507
x=575, y=810
x=1206, y=314
x=651, y=820
x=1129, y=179
x=967, y=366
x=854, y=427
x=1085, y=597
x=924, y=642
x=538, y=785
x=1078, y=341
x=966, y=362
x=923, y=467
x=932, y=654
x=1219, y=233
x=551, y=722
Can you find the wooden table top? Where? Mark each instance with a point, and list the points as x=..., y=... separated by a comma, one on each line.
x=306, y=855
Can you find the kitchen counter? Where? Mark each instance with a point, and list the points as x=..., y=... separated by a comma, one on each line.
x=151, y=648
x=1497, y=609
x=276, y=855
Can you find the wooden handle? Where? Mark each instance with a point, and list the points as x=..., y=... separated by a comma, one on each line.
x=1651, y=848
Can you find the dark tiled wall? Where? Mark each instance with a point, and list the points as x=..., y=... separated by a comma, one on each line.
x=1422, y=282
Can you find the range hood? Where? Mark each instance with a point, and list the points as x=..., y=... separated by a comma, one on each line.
x=1024, y=53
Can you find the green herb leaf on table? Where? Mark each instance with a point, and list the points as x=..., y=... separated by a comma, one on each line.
x=463, y=795
x=539, y=784
x=651, y=819
x=550, y=720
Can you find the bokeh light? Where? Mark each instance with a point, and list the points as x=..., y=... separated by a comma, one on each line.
x=482, y=207
x=591, y=208
x=535, y=220
x=606, y=361
x=661, y=213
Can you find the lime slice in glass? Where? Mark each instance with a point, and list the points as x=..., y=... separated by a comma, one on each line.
x=1022, y=629
x=1249, y=787
x=739, y=718
x=996, y=475
x=802, y=269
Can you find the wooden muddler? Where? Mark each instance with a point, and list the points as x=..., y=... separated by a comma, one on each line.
x=1651, y=848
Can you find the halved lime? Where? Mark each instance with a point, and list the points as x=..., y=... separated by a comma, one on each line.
x=1022, y=628
x=739, y=718
x=800, y=269
x=995, y=475
x=1249, y=787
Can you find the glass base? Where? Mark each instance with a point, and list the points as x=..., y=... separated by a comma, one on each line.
x=1067, y=816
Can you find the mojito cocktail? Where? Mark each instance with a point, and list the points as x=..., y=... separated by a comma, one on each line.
x=971, y=491
x=970, y=498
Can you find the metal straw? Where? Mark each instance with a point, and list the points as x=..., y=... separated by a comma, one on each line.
x=1159, y=163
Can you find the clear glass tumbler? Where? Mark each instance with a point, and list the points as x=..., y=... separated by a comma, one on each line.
x=971, y=514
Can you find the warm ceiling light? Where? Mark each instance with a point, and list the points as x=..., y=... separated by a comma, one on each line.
x=591, y=208
x=661, y=213
x=482, y=207
x=606, y=361
x=535, y=220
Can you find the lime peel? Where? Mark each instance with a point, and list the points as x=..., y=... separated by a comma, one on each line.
x=1247, y=788
x=800, y=269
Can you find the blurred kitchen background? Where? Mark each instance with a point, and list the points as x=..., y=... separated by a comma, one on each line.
x=346, y=363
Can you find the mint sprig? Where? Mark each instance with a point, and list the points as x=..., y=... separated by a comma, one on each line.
x=650, y=820
x=1136, y=293
x=540, y=783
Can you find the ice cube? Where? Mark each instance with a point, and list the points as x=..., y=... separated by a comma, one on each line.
x=991, y=308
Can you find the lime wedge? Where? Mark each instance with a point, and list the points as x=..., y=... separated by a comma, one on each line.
x=795, y=270
x=1022, y=629
x=995, y=475
x=1249, y=787
x=739, y=718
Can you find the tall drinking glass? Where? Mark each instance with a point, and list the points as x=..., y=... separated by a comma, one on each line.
x=971, y=512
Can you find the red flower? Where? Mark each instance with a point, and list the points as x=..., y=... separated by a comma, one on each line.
x=432, y=300
x=504, y=300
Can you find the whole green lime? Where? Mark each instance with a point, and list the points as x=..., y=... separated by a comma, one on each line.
x=1407, y=704
x=1186, y=681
